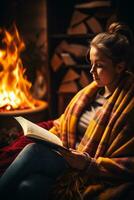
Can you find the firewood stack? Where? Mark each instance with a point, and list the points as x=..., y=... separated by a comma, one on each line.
x=88, y=19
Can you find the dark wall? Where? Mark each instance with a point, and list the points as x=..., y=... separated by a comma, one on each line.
x=8, y=9
x=7, y=13
x=124, y=10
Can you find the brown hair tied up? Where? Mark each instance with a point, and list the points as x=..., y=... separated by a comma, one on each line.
x=123, y=29
x=116, y=43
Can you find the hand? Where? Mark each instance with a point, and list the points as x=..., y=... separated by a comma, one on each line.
x=75, y=159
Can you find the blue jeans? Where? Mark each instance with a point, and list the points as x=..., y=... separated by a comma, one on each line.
x=32, y=174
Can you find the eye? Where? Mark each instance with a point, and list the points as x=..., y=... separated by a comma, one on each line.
x=99, y=65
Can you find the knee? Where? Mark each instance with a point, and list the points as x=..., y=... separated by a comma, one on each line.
x=29, y=148
x=35, y=147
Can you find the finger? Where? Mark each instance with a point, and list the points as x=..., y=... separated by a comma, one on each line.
x=63, y=151
x=74, y=150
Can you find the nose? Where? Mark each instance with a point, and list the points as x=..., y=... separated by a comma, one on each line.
x=92, y=69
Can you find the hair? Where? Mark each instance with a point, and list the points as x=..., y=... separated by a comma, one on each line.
x=115, y=43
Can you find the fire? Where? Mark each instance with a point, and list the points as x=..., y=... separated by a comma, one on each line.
x=14, y=86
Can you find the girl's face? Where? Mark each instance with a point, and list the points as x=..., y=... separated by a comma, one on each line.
x=102, y=68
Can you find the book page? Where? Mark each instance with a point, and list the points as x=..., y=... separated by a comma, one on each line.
x=34, y=131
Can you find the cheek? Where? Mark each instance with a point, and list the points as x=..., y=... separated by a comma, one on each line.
x=101, y=73
x=104, y=75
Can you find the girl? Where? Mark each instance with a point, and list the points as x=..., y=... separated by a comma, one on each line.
x=97, y=127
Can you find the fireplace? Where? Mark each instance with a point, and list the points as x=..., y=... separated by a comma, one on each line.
x=23, y=74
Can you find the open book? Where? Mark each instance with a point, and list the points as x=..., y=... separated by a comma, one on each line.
x=39, y=134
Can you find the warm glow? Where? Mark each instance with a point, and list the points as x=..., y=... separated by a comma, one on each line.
x=14, y=86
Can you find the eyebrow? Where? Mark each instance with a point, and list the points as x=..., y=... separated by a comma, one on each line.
x=98, y=60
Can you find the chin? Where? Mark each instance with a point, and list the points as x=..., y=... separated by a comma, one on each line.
x=99, y=84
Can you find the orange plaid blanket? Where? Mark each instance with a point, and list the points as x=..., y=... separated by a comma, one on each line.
x=109, y=139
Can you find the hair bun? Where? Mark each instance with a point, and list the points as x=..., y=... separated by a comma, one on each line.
x=123, y=29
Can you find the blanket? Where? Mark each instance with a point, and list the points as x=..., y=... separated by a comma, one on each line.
x=109, y=140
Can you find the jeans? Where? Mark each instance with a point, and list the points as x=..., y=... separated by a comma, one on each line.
x=32, y=174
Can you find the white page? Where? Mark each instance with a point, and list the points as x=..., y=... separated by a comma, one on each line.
x=32, y=130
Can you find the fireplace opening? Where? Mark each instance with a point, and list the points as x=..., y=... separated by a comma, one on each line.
x=23, y=65
x=23, y=74
x=23, y=71
x=15, y=94
x=15, y=89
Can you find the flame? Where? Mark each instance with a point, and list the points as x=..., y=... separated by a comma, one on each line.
x=14, y=86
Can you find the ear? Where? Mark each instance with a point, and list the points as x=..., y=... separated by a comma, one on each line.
x=120, y=67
